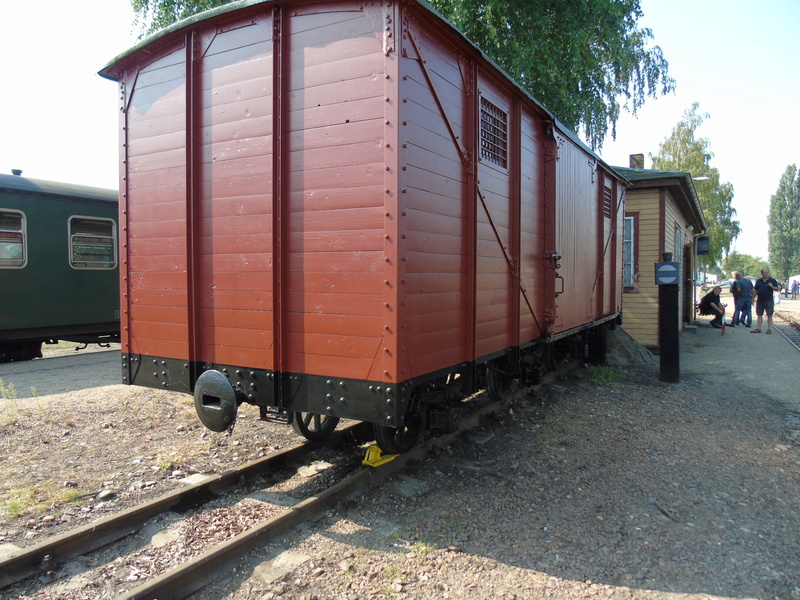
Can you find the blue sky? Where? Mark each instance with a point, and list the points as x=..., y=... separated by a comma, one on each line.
x=740, y=60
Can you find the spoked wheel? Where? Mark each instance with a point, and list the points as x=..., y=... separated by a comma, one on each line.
x=396, y=440
x=312, y=426
x=498, y=383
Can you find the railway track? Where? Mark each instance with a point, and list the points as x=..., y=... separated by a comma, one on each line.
x=788, y=325
x=85, y=539
x=257, y=521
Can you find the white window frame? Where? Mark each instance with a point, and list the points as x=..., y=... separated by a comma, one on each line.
x=77, y=239
x=10, y=258
x=628, y=240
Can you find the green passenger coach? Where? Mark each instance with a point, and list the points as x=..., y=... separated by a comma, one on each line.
x=59, y=272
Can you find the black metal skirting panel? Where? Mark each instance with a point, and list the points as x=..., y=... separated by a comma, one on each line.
x=372, y=401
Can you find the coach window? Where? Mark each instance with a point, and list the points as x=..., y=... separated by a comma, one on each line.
x=13, y=254
x=92, y=243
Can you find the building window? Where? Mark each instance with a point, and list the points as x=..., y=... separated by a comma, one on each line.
x=494, y=134
x=13, y=250
x=678, y=245
x=92, y=243
x=628, y=252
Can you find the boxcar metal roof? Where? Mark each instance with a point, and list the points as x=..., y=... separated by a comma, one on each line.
x=109, y=71
x=18, y=184
x=682, y=186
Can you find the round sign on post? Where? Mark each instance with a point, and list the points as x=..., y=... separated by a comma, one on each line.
x=667, y=273
x=668, y=277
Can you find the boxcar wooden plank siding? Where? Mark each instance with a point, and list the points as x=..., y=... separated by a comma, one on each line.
x=227, y=261
x=322, y=240
x=156, y=109
x=434, y=166
x=338, y=135
x=357, y=110
x=349, y=68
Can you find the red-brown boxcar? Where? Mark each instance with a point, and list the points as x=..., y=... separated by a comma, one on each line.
x=343, y=209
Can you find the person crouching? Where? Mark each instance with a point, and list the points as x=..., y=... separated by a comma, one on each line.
x=710, y=304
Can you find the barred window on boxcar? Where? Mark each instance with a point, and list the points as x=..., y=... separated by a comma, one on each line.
x=627, y=253
x=13, y=247
x=494, y=134
x=92, y=243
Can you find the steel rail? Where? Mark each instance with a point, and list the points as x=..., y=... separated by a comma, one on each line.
x=793, y=324
x=188, y=578
x=97, y=534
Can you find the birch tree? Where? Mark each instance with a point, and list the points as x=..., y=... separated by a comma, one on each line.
x=684, y=151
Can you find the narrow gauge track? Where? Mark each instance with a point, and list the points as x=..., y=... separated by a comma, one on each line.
x=97, y=534
x=788, y=327
x=194, y=574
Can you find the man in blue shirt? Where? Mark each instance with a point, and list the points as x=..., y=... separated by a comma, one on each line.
x=764, y=300
x=742, y=288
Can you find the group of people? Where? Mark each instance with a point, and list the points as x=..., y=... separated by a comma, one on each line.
x=791, y=287
x=745, y=294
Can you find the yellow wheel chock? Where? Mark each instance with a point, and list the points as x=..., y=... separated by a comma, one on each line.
x=376, y=458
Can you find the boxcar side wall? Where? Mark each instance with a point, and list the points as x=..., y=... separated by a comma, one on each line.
x=475, y=228
x=587, y=219
x=437, y=323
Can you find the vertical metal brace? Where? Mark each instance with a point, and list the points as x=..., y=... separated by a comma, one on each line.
x=278, y=198
x=193, y=201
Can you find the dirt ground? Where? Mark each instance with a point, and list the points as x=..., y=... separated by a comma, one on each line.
x=76, y=445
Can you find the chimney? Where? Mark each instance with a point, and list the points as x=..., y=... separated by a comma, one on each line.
x=637, y=161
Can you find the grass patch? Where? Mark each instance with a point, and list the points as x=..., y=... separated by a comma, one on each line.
x=34, y=499
x=422, y=549
x=9, y=411
x=603, y=376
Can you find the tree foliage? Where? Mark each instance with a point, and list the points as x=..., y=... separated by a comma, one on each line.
x=585, y=60
x=683, y=151
x=784, y=225
x=746, y=264
x=155, y=15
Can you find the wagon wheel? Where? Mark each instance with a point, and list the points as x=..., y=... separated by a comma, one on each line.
x=312, y=426
x=498, y=383
x=396, y=440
